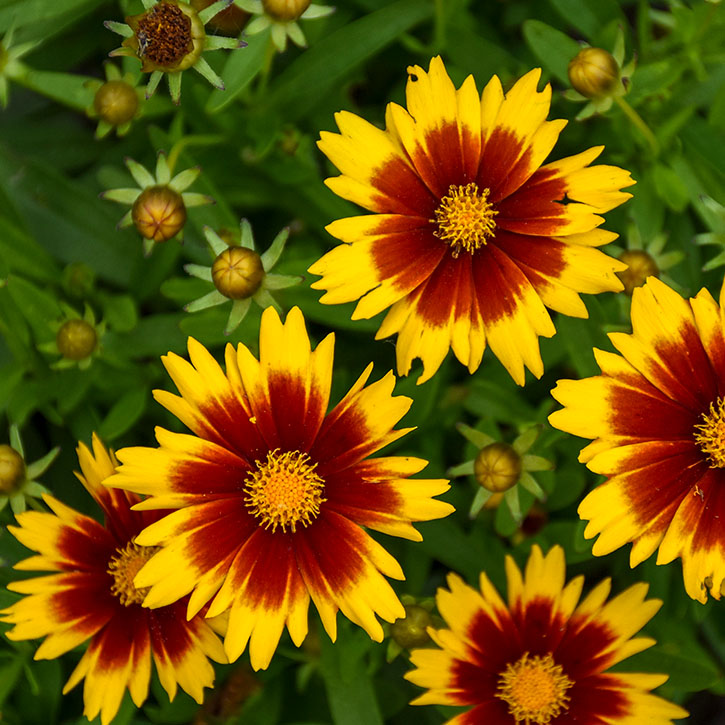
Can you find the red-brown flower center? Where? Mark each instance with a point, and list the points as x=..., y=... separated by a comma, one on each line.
x=124, y=566
x=164, y=35
x=465, y=218
x=710, y=434
x=534, y=688
x=284, y=491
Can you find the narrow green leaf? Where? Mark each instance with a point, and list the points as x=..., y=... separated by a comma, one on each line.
x=317, y=71
x=553, y=48
x=65, y=88
x=39, y=307
x=588, y=16
x=124, y=413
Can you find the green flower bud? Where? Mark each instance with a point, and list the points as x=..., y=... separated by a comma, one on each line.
x=641, y=266
x=76, y=339
x=12, y=469
x=594, y=73
x=497, y=467
x=237, y=272
x=411, y=631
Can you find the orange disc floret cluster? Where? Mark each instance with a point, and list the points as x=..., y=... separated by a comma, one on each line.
x=656, y=417
x=273, y=493
x=470, y=238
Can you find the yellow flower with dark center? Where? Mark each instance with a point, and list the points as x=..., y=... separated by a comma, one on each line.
x=169, y=37
x=544, y=656
x=91, y=596
x=471, y=238
x=657, y=417
x=274, y=495
x=159, y=205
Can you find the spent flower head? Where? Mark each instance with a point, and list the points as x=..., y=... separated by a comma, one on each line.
x=116, y=102
x=169, y=37
x=159, y=203
x=77, y=339
x=499, y=468
x=282, y=16
x=18, y=484
x=240, y=274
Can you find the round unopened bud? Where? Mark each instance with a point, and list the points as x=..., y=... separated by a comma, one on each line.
x=641, y=266
x=410, y=631
x=159, y=213
x=285, y=10
x=497, y=467
x=229, y=21
x=12, y=469
x=116, y=102
x=237, y=273
x=593, y=72
x=76, y=339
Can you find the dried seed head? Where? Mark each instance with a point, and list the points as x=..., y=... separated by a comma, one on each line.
x=237, y=272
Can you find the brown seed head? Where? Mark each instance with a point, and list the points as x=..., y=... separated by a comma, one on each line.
x=594, y=72
x=12, y=469
x=116, y=102
x=159, y=213
x=641, y=266
x=285, y=10
x=410, y=631
x=237, y=273
x=76, y=339
x=497, y=467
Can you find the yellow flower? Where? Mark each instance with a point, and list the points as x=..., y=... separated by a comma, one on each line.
x=274, y=496
x=470, y=239
x=169, y=37
x=656, y=414
x=159, y=204
x=540, y=658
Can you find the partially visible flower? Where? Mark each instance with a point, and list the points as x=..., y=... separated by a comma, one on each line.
x=471, y=238
x=656, y=415
x=276, y=497
x=645, y=261
x=10, y=66
x=282, y=17
x=18, y=484
x=241, y=275
x=540, y=658
x=77, y=339
x=229, y=21
x=159, y=204
x=91, y=595
x=169, y=37
x=116, y=102
x=598, y=77
x=499, y=468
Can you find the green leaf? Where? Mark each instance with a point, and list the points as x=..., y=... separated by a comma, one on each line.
x=322, y=68
x=124, y=413
x=22, y=254
x=670, y=188
x=587, y=16
x=350, y=691
x=9, y=674
x=553, y=48
x=65, y=88
x=39, y=307
x=241, y=68
x=119, y=312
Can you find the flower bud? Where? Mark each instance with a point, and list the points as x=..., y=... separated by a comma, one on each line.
x=229, y=21
x=237, y=272
x=641, y=266
x=410, y=631
x=497, y=467
x=158, y=213
x=78, y=279
x=116, y=102
x=594, y=73
x=12, y=469
x=76, y=339
x=285, y=10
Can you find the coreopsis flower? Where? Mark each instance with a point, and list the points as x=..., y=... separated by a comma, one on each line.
x=240, y=275
x=539, y=658
x=18, y=480
x=159, y=204
x=90, y=595
x=471, y=238
x=77, y=339
x=499, y=468
x=11, y=67
x=282, y=17
x=116, y=102
x=169, y=37
x=272, y=492
x=657, y=417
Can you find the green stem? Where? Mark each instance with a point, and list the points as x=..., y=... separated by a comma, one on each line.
x=269, y=53
x=182, y=144
x=439, y=37
x=637, y=121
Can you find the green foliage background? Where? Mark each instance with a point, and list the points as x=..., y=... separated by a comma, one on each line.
x=256, y=145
